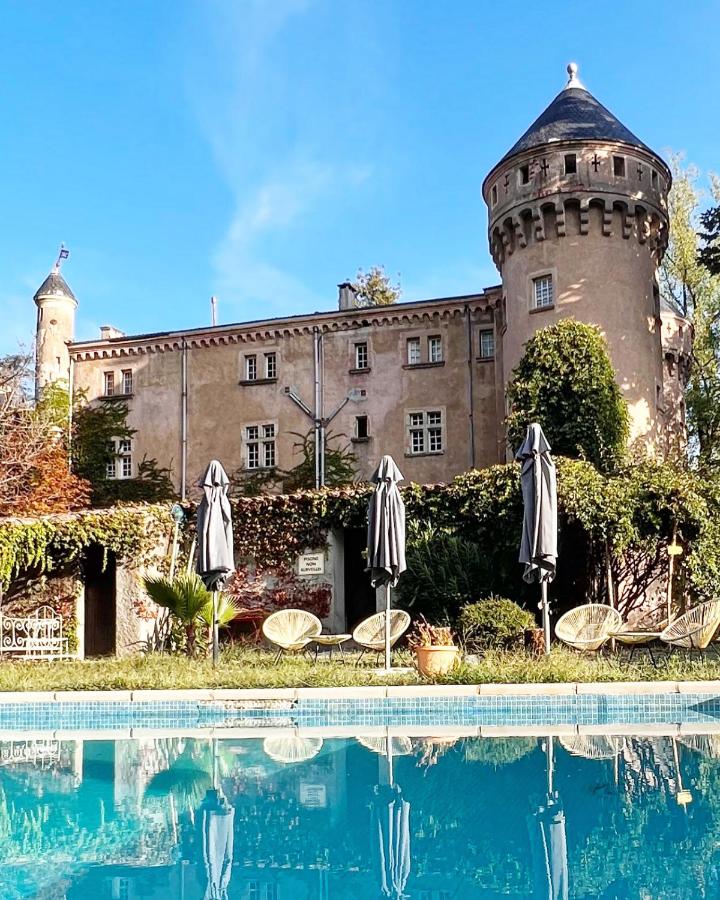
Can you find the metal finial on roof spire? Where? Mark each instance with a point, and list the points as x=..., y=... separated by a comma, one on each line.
x=573, y=80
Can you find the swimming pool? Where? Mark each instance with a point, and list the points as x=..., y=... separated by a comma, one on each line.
x=364, y=798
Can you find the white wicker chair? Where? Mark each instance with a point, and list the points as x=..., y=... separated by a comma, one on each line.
x=291, y=630
x=695, y=629
x=292, y=749
x=370, y=633
x=400, y=744
x=588, y=627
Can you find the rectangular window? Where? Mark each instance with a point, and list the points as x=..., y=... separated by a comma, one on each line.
x=127, y=381
x=413, y=351
x=251, y=368
x=270, y=891
x=425, y=432
x=361, y=427
x=494, y=195
x=253, y=890
x=435, y=349
x=361, y=355
x=524, y=174
x=271, y=365
x=570, y=164
x=124, y=449
x=111, y=465
x=268, y=446
x=542, y=292
x=252, y=447
x=487, y=344
x=619, y=166
x=654, y=179
x=109, y=384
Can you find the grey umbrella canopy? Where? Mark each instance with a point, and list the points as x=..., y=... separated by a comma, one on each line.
x=549, y=851
x=391, y=823
x=538, y=547
x=217, y=818
x=215, y=561
x=386, y=535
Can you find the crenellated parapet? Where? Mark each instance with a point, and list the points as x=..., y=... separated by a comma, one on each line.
x=571, y=190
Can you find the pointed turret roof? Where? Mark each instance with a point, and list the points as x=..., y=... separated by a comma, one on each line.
x=575, y=115
x=55, y=286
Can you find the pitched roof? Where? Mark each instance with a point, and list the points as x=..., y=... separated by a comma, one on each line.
x=575, y=115
x=54, y=284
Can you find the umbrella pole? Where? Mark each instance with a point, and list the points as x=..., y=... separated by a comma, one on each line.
x=545, y=614
x=215, y=643
x=387, y=626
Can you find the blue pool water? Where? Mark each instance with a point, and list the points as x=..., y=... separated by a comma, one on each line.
x=282, y=817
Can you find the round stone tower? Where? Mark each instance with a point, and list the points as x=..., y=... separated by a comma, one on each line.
x=577, y=228
x=56, y=305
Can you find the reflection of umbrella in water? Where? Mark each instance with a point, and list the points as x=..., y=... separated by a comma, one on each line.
x=292, y=749
x=548, y=843
x=390, y=818
x=391, y=826
x=215, y=819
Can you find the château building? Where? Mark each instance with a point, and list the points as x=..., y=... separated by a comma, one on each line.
x=577, y=226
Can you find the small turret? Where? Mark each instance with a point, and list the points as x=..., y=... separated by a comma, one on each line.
x=56, y=305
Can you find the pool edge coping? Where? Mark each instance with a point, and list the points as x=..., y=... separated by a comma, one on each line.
x=415, y=691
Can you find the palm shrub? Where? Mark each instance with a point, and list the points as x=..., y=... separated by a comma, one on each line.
x=189, y=602
x=493, y=622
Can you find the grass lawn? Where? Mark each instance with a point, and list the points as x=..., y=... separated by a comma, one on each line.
x=252, y=668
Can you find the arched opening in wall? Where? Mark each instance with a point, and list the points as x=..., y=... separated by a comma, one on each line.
x=99, y=571
x=549, y=219
x=572, y=217
x=526, y=220
x=508, y=228
x=619, y=214
x=642, y=222
x=596, y=210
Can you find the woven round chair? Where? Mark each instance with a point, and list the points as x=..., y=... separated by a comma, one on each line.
x=400, y=744
x=588, y=627
x=370, y=633
x=694, y=630
x=591, y=746
x=292, y=749
x=291, y=630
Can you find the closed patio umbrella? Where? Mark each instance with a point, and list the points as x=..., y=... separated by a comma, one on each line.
x=548, y=842
x=391, y=824
x=215, y=561
x=538, y=548
x=216, y=823
x=386, y=535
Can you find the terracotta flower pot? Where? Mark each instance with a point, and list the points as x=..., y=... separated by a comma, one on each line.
x=433, y=661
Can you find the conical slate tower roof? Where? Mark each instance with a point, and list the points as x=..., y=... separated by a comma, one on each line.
x=55, y=285
x=575, y=115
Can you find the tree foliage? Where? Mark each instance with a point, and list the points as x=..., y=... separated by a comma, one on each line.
x=565, y=381
x=374, y=288
x=35, y=476
x=690, y=281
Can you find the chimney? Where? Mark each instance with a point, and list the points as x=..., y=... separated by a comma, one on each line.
x=346, y=296
x=108, y=332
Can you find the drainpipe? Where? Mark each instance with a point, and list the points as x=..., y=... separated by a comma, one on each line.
x=471, y=392
x=71, y=381
x=316, y=410
x=321, y=409
x=183, y=422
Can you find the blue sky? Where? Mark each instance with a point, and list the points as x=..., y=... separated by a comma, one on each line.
x=263, y=150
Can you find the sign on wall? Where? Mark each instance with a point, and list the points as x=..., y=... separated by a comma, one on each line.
x=311, y=564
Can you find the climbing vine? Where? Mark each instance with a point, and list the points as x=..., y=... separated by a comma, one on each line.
x=54, y=542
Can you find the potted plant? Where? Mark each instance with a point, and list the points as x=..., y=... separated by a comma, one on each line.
x=435, y=649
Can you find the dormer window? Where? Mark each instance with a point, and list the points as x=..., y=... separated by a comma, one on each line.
x=619, y=166
x=570, y=164
x=524, y=174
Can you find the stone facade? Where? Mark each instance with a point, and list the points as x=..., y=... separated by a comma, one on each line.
x=577, y=228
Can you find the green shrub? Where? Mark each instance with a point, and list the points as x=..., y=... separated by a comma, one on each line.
x=444, y=572
x=493, y=622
